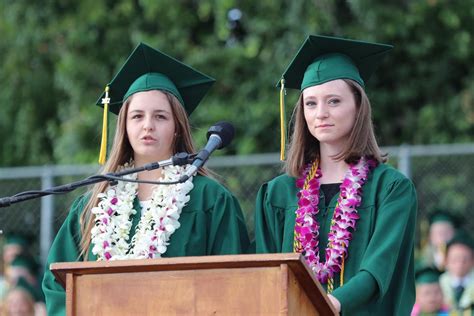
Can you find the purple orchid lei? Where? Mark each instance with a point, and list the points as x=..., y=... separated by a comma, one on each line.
x=343, y=221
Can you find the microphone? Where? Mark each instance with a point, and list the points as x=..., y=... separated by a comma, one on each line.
x=218, y=136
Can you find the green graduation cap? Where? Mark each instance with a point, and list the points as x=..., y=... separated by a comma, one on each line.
x=34, y=292
x=26, y=262
x=427, y=275
x=323, y=58
x=440, y=215
x=461, y=237
x=15, y=238
x=149, y=69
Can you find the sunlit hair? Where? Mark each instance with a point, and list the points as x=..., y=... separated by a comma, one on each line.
x=304, y=147
x=122, y=152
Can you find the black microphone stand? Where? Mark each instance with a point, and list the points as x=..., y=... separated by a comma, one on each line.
x=177, y=160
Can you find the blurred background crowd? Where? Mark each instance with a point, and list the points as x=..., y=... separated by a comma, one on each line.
x=20, y=277
x=445, y=268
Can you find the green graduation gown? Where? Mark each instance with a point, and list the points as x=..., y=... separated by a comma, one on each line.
x=382, y=245
x=211, y=224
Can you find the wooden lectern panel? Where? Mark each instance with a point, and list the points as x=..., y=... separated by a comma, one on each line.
x=218, y=285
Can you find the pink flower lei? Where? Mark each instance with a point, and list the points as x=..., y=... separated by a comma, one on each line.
x=344, y=218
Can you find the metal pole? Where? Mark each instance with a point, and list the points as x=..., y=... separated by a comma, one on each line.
x=404, y=161
x=47, y=204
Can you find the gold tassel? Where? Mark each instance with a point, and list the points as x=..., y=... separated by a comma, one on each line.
x=282, y=120
x=341, y=280
x=330, y=285
x=103, y=143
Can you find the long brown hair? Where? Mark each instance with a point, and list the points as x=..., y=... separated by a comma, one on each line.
x=122, y=152
x=304, y=147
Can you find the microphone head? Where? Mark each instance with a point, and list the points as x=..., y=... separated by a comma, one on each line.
x=224, y=130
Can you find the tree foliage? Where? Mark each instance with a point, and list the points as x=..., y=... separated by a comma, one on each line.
x=56, y=57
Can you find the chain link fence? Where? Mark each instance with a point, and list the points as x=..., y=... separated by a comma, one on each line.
x=443, y=175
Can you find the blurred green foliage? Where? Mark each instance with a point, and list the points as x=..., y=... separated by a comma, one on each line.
x=56, y=57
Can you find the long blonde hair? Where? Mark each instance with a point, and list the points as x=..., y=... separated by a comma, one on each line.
x=122, y=152
x=304, y=147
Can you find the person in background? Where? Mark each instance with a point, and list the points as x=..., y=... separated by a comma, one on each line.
x=457, y=282
x=23, y=266
x=153, y=94
x=351, y=215
x=14, y=244
x=23, y=300
x=429, y=296
x=26, y=269
x=442, y=227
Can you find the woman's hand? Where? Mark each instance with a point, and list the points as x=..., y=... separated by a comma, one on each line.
x=335, y=303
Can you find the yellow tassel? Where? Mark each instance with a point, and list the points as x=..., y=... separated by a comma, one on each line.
x=282, y=121
x=330, y=285
x=103, y=143
x=341, y=281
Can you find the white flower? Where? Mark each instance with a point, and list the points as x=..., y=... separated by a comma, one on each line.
x=111, y=232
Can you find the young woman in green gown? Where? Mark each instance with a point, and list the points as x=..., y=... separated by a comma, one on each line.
x=153, y=94
x=351, y=215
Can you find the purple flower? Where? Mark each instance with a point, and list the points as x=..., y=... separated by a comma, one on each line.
x=303, y=202
x=346, y=183
x=352, y=202
x=323, y=276
x=343, y=221
x=300, y=183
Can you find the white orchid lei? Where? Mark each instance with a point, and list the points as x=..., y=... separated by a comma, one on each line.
x=113, y=218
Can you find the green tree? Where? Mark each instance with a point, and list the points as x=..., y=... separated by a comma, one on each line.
x=56, y=57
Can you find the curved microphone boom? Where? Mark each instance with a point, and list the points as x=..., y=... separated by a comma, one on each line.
x=218, y=136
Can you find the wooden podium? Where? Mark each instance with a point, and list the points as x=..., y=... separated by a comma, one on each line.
x=268, y=284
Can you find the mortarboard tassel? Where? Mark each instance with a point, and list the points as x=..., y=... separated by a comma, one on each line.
x=282, y=121
x=103, y=143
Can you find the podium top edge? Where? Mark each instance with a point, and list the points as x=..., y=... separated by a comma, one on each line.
x=239, y=260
